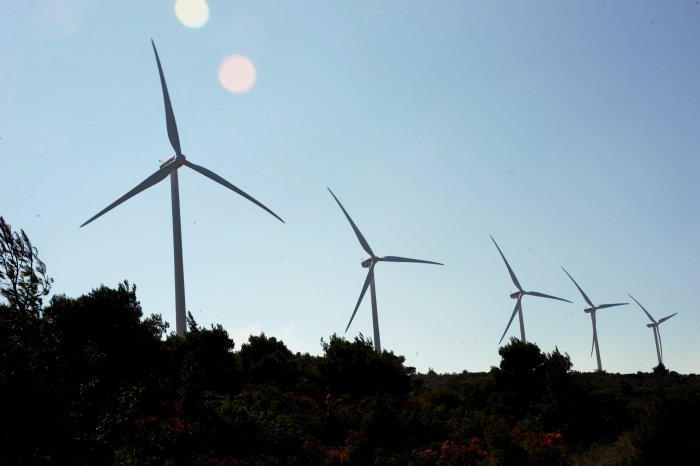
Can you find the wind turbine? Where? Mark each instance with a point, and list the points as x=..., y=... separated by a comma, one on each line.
x=654, y=325
x=592, y=310
x=369, y=281
x=170, y=167
x=518, y=295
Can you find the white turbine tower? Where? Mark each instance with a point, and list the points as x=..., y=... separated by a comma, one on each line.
x=592, y=310
x=369, y=281
x=170, y=167
x=654, y=325
x=518, y=295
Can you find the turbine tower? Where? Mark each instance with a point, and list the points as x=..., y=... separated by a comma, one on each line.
x=170, y=167
x=654, y=325
x=369, y=281
x=518, y=296
x=591, y=309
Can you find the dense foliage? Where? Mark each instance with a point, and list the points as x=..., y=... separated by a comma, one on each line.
x=96, y=383
x=89, y=380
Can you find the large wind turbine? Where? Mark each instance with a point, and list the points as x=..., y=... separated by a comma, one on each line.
x=592, y=310
x=654, y=325
x=518, y=295
x=369, y=281
x=169, y=167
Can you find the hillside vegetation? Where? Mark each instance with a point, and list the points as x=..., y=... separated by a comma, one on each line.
x=90, y=380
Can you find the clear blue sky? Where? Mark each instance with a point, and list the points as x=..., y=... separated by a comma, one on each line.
x=567, y=130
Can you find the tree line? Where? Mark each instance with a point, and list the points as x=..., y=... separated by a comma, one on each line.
x=92, y=380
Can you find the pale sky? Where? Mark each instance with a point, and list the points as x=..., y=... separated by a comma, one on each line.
x=567, y=130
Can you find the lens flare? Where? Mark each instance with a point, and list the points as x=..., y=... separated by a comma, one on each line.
x=192, y=13
x=61, y=18
x=237, y=73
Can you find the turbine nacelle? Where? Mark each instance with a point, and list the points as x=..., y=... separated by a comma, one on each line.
x=517, y=294
x=178, y=160
x=588, y=310
x=368, y=262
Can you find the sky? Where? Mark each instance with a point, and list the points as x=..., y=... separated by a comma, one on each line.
x=569, y=131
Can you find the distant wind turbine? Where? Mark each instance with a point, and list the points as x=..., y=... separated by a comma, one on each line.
x=369, y=281
x=518, y=295
x=654, y=325
x=169, y=167
x=592, y=310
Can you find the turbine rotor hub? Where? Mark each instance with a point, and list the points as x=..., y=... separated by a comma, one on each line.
x=179, y=160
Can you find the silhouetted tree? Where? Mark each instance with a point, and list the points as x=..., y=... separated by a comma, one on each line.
x=518, y=383
x=102, y=336
x=103, y=358
x=23, y=374
x=559, y=395
x=23, y=282
x=85, y=381
x=267, y=360
x=23, y=279
x=355, y=368
x=201, y=360
x=660, y=370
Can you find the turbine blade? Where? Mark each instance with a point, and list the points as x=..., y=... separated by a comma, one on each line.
x=667, y=317
x=603, y=306
x=145, y=184
x=406, y=259
x=510, y=271
x=579, y=288
x=370, y=274
x=169, y=115
x=640, y=305
x=361, y=238
x=542, y=295
x=661, y=348
x=213, y=176
x=512, y=316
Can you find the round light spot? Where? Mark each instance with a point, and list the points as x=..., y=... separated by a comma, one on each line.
x=192, y=13
x=237, y=73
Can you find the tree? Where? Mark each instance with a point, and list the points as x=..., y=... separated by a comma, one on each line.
x=103, y=336
x=23, y=279
x=202, y=360
x=267, y=360
x=517, y=380
x=104, y=363
x=660, y=370
x=354, y=367
x=23, y=374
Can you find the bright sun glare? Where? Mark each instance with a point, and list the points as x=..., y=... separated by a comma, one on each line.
x=237, y=73
x=192, y=13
